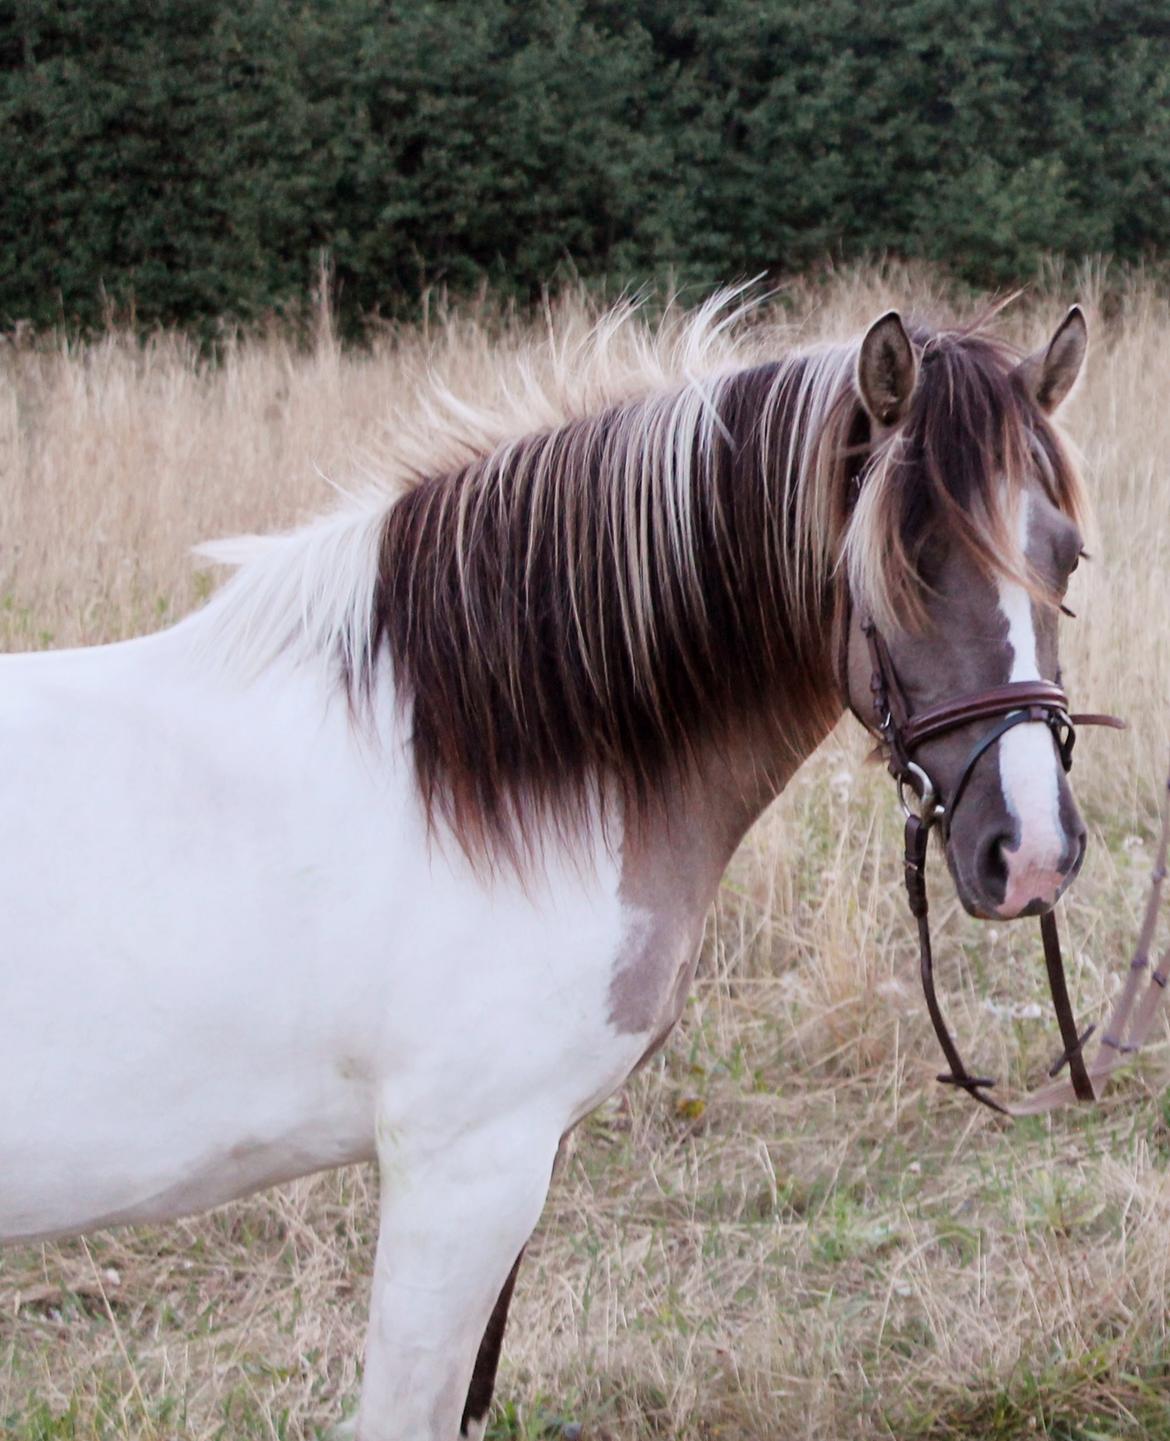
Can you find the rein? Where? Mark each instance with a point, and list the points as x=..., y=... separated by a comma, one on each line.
x=1018, y=703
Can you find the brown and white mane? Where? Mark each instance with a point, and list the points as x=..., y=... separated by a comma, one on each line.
x=591, y=604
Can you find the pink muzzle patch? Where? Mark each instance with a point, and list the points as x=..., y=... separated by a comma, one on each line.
x=1028, y=884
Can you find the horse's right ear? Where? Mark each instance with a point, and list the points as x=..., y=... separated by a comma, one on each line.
x=887, y=370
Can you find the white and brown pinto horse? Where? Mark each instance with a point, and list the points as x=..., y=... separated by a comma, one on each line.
x=402, y=847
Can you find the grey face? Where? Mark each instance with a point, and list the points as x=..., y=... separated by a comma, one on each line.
x=1016, y=838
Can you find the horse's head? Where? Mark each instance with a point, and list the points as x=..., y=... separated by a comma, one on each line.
x=960, y=545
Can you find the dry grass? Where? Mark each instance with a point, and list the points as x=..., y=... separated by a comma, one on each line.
x=782, y=1228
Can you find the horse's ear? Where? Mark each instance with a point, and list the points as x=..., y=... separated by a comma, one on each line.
x=887, y=369
x=1051, y=373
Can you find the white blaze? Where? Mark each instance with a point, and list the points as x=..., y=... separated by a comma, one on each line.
x=1028, y=766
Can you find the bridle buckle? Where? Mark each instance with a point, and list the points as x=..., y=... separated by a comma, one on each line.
x=1064, y=733
x=929, y=807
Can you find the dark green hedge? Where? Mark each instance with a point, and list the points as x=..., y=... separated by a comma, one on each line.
x=193, y=158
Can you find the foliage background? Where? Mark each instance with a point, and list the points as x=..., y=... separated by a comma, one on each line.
x=181, y=161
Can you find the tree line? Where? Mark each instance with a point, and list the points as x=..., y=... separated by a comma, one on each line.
x=185, y=160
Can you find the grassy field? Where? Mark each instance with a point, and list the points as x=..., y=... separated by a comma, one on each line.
x=782, y=1228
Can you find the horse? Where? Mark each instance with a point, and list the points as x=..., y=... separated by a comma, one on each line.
x=402, y=846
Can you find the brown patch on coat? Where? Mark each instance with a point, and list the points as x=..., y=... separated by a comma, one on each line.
x=671, y=869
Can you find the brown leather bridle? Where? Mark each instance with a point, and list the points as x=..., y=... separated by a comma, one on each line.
x=902, y=732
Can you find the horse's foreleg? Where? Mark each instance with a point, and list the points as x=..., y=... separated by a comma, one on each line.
x=451, y=1226
x=483, y=1378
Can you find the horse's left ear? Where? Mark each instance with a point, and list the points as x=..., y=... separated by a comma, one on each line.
x=1050, y=374
x=887, y=369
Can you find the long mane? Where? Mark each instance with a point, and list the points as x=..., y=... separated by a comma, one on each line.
x=574, y=613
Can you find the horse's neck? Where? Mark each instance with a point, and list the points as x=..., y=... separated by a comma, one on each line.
x=675, y=860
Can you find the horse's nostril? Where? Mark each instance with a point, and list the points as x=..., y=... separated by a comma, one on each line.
x=1076, y=853
x=1013, y=880
x=993, y=865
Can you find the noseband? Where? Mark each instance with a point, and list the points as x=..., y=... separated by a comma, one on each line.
x=902, y=732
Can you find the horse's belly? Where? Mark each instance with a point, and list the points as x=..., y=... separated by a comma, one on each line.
x=139, y=1082
x=154, y=1063
x=187, y=1000
x=70, y=1188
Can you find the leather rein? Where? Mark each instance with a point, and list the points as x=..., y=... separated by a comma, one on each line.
x=902, y=731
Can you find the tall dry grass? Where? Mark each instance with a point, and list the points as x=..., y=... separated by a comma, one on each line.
x=782, y=1228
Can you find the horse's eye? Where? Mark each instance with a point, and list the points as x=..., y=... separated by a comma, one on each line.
x=1068, y=559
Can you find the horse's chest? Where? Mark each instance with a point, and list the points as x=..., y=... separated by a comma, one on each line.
x=654, y=969
x=666, y=889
